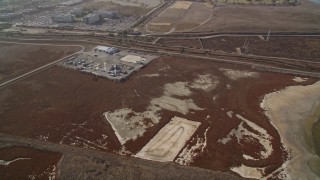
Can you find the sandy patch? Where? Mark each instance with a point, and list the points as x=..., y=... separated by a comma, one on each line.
x=236, y=74
x=168, y=102
x=178, y=88
x=230, y=114
x=288, y=110
x=128, y=124
x=248, y=172
x=174, y=104
x=205, y=82
x=167, y=143
x=299, y=79
x=181, y=5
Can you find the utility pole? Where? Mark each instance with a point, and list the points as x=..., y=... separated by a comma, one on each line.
x=268, y=37
x=246, y=46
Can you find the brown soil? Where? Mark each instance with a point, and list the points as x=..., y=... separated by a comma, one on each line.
x=193, y=43
x=66, y=106
x=16, y=59
x=306, y=48
x=40, y=164
x=235, y=18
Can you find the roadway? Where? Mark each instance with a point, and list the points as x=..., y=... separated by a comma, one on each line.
x=81, y=43
x=39, y=69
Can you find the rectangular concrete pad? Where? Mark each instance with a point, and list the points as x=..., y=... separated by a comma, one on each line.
x=168, y=142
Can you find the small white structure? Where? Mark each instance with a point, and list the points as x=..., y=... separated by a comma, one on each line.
x=109, y=50
x=133, y=59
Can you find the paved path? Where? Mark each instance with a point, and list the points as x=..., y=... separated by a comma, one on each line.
x=37, y=70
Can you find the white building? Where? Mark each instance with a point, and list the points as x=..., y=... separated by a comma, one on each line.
x=91, y=18
x=108, y=50
x=108, y=14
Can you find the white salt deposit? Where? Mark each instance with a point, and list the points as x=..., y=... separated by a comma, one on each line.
x=205, y=82
x=248, y=172
x=241, y=132
x=6, y=163
x=236, y=74
x=188, y=154
x=299, y=79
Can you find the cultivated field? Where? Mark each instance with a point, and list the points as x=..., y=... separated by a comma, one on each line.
x=67, y=107
x=16, y=59
x=180, y=16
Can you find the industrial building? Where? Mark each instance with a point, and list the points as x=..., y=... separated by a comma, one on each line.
x=64, y=18
x=71, y=3
x=4, y=25
x=108, y=50
x=77, y=12
x=109, y=14
x=9, y=16
x=91, y=18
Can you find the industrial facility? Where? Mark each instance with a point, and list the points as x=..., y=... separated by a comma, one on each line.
x=64, y=18
x=109, y=14
x=108, y=50
x=91, y=18
x=109, y=62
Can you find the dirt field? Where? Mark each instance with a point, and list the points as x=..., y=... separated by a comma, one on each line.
x=149, y=3
x=306, y=48
x=180, y=16
x=65, y=106
x=27, y=163
x=16, y=59
x=290, y=47
x=235, y=18
x=193, y=43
